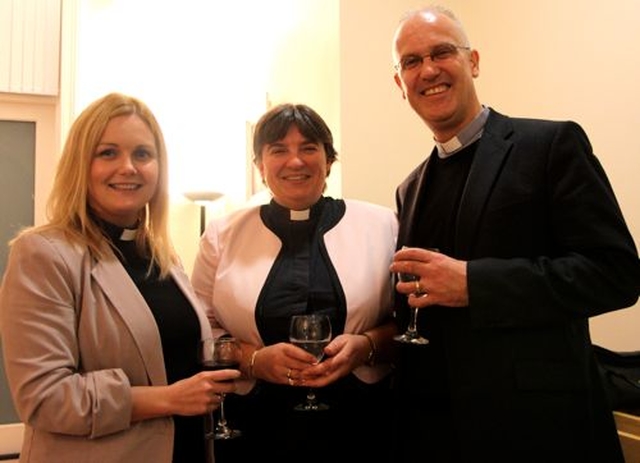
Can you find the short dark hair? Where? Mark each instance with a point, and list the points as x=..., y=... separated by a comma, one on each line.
x=275, y=123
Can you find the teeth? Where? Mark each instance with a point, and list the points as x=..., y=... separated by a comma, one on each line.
x=125, y=187
x=434, y=90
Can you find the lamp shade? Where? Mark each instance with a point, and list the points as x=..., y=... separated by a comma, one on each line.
x=203, y=197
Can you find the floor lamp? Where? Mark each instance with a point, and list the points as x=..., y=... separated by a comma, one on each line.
x=202, y=199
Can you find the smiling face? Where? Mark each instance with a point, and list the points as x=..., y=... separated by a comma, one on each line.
x=442, y=93
x=294, y=169
x=124, y=171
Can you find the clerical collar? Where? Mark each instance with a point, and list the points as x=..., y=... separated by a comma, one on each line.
x=298, y=216
x=128, y=234
x=115, y=232
x=465, y=137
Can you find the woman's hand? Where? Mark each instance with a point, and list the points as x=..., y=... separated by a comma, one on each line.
x=343, y=354
x=196, y=395
x=281, y=363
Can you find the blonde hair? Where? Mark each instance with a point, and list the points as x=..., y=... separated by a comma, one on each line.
x=67, y=205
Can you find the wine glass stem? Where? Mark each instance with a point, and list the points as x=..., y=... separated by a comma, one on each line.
x=412, y=328
x=311, y=397
x=223, y=420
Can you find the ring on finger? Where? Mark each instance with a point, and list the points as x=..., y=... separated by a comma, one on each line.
x=289, y=374
x=290, y=381
x=418, y=289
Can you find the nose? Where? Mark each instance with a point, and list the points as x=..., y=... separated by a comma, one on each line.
x=127, y=163
x=429, y=69
x=295, y=159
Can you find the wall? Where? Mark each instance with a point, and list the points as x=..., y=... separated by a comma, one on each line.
x=306, y=69
x=542, y=58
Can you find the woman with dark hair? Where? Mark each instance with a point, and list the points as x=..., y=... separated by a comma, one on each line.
x=303, y=252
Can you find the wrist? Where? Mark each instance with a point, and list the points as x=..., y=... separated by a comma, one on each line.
x=371, y=356
x=252, y=364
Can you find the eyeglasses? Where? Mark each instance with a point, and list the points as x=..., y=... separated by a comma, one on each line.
x=438, y=54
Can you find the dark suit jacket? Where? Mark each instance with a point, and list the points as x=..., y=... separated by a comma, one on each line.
x=548, y=248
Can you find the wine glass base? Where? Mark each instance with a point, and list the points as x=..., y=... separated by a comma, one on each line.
x=227, y=434
x=412, y=339
x=306, y=407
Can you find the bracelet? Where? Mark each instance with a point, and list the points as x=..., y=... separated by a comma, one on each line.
x=371, y=358
x=252, y=362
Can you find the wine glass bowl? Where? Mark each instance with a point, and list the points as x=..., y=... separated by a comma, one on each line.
x=220, y=354
x=311, y=333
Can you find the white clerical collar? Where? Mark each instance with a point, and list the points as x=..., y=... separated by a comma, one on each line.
x=128, y=234
x=465, y=137
x=299, y=215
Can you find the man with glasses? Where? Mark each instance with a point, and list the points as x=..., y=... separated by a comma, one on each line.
x=531, y=243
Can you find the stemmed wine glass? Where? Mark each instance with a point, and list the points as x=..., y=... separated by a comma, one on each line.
x=411, y=335
x=220, y=354
x=312, y=333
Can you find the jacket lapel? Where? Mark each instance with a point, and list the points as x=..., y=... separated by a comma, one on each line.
x=411, y=198
x=488, y=161
x=129, y=303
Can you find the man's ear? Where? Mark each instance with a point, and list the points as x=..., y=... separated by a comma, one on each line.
x=396, y=78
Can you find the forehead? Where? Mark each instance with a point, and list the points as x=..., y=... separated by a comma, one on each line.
x=293, y=134
x=126, y=124
x=422, y=31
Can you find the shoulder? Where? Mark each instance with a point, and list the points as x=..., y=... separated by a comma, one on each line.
x=46, y=240
x=232, y=223
x=238, y=216
x=47, y=252
x=498, y=122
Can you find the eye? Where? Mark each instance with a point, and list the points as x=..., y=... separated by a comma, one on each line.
x=106, y=153
x=443, y=52
x=143, y=154
x=410, y=62
x=276, y=150
x=311, y=149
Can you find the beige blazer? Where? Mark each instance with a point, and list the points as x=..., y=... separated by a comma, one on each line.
x=77, y=335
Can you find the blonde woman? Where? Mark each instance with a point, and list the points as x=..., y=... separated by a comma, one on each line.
x=100, y=326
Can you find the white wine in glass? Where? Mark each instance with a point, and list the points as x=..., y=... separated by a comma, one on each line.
x=311, y=333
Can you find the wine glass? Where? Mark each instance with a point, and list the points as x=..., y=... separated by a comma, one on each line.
x=220, y=354
x=411, y=335
x=312, y=333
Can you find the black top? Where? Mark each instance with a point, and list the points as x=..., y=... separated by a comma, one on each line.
x=303, y=279
x=179, y=329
